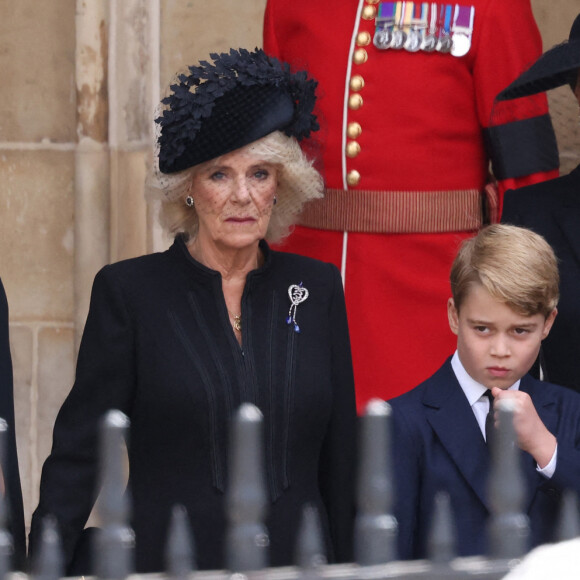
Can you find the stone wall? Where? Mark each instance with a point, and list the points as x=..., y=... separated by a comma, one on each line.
x=79, y=79
x=79, y=82
x=37, y=144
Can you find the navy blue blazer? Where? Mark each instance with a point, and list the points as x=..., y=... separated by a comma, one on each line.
x=438, y=446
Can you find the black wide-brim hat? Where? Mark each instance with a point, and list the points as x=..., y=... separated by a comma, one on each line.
x=221, y=106
x=556, y=67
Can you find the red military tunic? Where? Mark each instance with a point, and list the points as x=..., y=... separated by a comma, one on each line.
x=405, y=162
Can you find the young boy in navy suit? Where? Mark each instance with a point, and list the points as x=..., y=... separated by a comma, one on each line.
x=504, y=285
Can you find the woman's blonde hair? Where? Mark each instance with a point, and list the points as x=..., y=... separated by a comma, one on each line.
x=515, y=265
x=298, y=182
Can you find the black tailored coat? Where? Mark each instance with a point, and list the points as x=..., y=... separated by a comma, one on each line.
x=11, y=473
x=439, y=446
x=159, y=346
x=552, y=209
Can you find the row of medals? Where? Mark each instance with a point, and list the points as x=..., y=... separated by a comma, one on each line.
x=415, y=38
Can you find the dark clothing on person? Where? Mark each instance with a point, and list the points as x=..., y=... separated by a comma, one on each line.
x=159, y=346
x=552, y=209
x=10, y=466
x=439, y=447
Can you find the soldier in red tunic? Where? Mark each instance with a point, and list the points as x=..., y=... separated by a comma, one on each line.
x=407, y=92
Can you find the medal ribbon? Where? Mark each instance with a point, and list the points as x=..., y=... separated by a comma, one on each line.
x=386, y=11
x=433, y=18
x=407, y=15
x=444, y=21
x=447, y=25
x=399, y=14
x=463, y=18
x=420, y=15
x=440, y=20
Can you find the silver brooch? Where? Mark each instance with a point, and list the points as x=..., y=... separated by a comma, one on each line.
x=297, y=294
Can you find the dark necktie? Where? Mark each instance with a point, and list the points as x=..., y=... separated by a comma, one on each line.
x=489, y=428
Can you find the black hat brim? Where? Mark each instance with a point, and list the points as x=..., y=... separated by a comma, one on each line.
x=556, y=67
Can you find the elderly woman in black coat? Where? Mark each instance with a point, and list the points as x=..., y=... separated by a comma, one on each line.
x=552, y=209
x=178, y=340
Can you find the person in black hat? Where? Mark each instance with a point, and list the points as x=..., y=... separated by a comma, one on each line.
x=552, y=209
x=178, y=340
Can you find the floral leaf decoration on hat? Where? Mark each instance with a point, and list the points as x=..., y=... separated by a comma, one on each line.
x=193, y=98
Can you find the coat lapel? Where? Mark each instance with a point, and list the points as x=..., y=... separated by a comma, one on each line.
x=451, y=417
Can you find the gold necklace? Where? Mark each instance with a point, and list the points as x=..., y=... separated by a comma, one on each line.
x=237, y=321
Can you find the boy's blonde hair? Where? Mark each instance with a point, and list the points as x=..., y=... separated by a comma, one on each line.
x=515, y=265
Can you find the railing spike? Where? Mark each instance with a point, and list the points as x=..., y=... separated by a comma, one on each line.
x=441, y=542
x=115, y=540
x=6, y=544
x=310, y=552
x=246, y=537
x=179, y=551
x=375, y=526
x=569, y=524
x=508, y=529
x=48, y=562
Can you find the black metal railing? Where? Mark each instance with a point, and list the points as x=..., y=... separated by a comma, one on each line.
x=246, y=501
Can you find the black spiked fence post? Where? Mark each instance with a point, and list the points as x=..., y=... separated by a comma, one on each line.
x=179, y=551
x=48, y=560
x=375, y=527
x=508, y=527
x=310, y=552
x=569, y=524
x=441, y=542
x=6, y=545
x=115, y=540
x=246, y=538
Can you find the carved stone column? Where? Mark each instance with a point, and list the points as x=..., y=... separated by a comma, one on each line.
x=91, y=190
x=133, y=93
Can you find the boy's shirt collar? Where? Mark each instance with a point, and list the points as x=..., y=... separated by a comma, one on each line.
x=472, y=389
